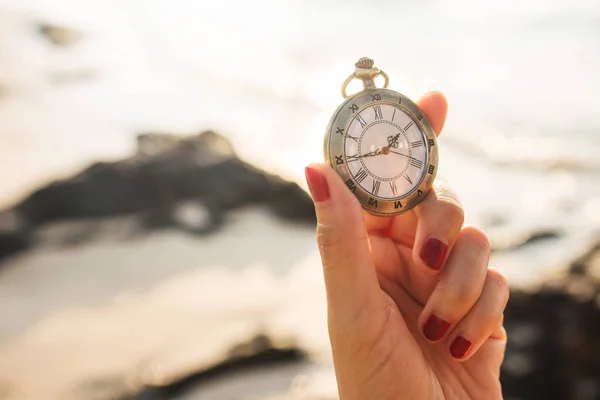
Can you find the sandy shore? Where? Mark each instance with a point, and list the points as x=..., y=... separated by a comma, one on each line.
x=152, y=308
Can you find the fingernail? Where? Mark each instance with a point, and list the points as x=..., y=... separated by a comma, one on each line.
x=433, y=253
x=317, y=185
x=435, y=328
x=459, y=347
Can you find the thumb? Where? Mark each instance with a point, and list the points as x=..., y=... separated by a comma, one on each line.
x=350, y=279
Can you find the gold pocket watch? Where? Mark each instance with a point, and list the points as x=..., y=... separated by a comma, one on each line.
x=382, y=145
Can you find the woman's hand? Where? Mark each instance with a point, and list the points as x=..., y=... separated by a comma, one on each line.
x=414, y=312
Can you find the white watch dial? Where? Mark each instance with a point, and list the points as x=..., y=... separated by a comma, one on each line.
x=385, y=151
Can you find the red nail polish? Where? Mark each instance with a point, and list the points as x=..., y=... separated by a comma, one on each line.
x=459, y=347
x=435, y=328
x=433, y=253
x=319, y=190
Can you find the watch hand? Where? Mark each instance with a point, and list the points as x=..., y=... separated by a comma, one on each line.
x=374, y=153
x=401, y=154
x=381, y=150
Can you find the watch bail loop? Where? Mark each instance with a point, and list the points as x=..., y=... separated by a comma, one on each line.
x=366, y=72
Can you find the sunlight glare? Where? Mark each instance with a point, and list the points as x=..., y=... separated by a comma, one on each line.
x=323, y=88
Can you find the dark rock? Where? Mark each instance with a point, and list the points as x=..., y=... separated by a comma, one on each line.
x=58, y=35
x=14, y=235
x=511, y=240
x=258, y=352
x=166, y=171
x=554, y=338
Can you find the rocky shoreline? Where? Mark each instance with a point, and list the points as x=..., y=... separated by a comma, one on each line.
x=187, y=183
x=554, y=336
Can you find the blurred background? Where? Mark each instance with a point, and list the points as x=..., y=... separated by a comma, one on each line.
x=157, y=241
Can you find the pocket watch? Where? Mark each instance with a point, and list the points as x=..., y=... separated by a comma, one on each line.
x=382, y=145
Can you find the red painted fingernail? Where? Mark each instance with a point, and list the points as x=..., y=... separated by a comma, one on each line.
x=319, y=190
x=433, y=253
x=435, y=328
x=459, y=347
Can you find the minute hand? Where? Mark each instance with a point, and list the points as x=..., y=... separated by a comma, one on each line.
x=400, y=154
x=415, y=162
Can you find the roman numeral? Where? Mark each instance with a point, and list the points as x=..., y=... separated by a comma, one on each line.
x=418, y=143
x=397, y=204
x=362, y=121
x=394, y=188
x=431, y=168
x=352, y=137
x=416, y=163
x=375, y=96
x=420, y=117
x=394, y=114
x=340, y=131
x=339, y=160
x=408, y=179
x=400, y=100
x=378, y=113
x=351, y=185
x=372, y=202
x=407, y=127
x=431, y=142
x=376, y=185
x=419, y=193
x=353, y=107
x=360, y=175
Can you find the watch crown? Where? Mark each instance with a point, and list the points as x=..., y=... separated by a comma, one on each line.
x=365, y=63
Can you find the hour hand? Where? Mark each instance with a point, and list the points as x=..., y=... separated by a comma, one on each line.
x=370, y=154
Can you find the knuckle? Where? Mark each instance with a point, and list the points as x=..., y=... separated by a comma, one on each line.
x=445, y=203
x=328, y=240
x=336, y=243
x=445, y=193
x=335, y=236
x=478, y=239
x=460, y=296
x=451, y=210
x=499, y=283
x=327, y=237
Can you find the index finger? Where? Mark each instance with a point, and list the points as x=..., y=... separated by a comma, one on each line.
x=435, y=107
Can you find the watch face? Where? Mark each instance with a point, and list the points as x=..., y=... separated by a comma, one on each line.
x=384, y=149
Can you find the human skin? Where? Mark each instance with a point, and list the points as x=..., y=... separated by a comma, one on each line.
x=414, y=310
